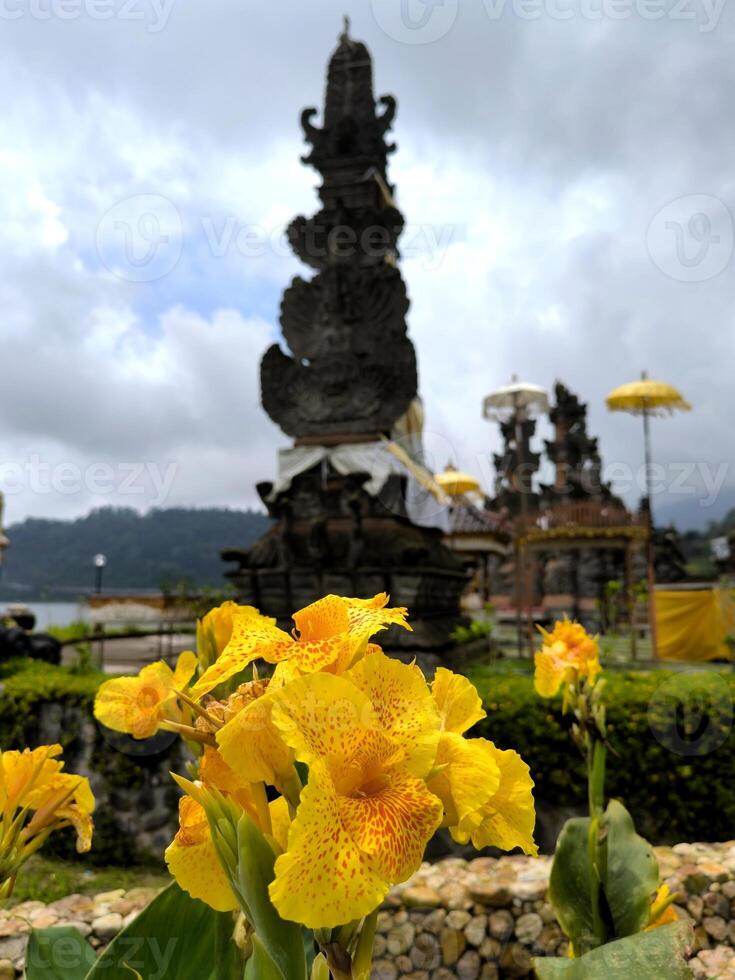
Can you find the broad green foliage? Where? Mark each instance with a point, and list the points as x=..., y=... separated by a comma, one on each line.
x=672, y=796
x=658, y=954
x=175, y=936
x=61, y=953
x=632, y=877
x=569, y=882
x=632, y=872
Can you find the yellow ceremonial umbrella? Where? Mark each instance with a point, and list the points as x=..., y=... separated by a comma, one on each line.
x=455, y=483
x=648, y=397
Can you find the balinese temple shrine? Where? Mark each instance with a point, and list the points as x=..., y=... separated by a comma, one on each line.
x=355, y=511
x=559, y=553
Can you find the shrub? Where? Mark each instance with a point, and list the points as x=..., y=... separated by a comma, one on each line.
x=673, y=749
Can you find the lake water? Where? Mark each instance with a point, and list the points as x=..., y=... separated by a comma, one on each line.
x=54, y=613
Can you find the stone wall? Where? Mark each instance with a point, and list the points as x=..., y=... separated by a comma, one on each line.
x=479, y=920
x=487, y=918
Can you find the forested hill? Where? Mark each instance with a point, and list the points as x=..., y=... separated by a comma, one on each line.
x=163, y=549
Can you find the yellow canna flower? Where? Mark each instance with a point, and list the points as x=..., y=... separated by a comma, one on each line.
x=365, y=817
x=192, y=860
x=486, y=793
x=139, y=705
x=662, y=910
x=36, y=799
x=568, y=654
x=191, y=856
x=332, y=633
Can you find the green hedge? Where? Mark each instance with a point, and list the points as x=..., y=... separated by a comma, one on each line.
x=673, y=759
x=678, y=786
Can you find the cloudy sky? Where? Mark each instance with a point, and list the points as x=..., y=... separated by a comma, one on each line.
x=566, y=169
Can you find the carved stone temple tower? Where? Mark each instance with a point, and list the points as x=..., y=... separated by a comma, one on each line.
x=353, y=506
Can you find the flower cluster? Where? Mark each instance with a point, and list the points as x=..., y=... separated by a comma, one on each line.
x=36, y=799
x=568, y=654
x=347, y=760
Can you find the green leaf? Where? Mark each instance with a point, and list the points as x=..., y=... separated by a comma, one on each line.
x=632, y=872
x=175, y=936
x=320, y=968
x=58, y=954
x=281, y=940
x=570, y=883
x=658, y=953
x=260, y=966
x=629, y=883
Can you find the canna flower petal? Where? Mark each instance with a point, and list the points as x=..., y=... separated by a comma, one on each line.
x=219, y=622
x=332, y=633
x=393, y=824
x=468, y=776
x=192, y=859
x=551, y=671
x=253, y=636
x=457, y=699
x=364, y=819
x=186, y=667
x=280, y=821
x=138, y=705
x=507, y=819
x=324, y=879
x=405, y=709
x=322, y=716
x=252, y=745
x=370, y=616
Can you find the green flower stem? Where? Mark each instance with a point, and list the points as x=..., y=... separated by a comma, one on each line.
x=596, y=757
x=364, y=953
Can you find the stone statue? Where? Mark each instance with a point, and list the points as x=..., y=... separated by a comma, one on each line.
x=351, y=368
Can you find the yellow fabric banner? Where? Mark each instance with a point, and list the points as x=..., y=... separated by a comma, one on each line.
x=693, y=625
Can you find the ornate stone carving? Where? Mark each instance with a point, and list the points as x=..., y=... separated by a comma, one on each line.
x=351, y=368
x=574, y=454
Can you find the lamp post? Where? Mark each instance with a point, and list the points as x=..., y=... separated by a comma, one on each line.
x=519, y=402
x=100, y=561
